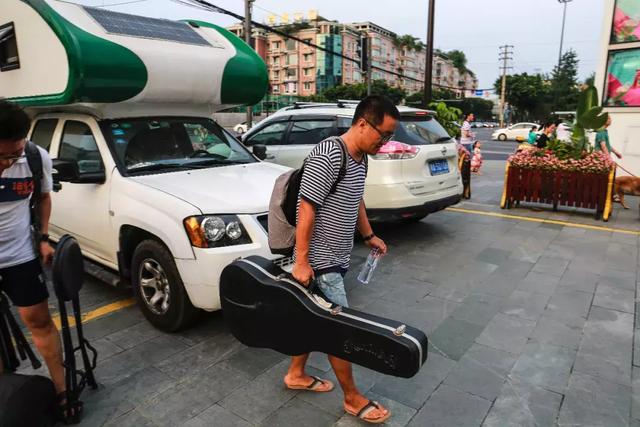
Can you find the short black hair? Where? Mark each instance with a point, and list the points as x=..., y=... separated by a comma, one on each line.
x=373, y=108
x=14, y=122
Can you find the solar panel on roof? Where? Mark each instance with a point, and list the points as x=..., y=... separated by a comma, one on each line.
x=142, y=26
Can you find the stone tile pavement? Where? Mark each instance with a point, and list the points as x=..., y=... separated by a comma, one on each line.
x=531, y=324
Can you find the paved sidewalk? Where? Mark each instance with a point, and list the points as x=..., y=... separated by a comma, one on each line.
x=531, y=324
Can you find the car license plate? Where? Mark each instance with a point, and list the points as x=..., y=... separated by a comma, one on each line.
x=439, y=167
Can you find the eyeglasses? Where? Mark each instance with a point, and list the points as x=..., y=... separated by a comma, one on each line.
x=12, y=158
x=384, y=138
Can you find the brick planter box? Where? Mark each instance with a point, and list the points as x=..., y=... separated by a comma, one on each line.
x=558, y=188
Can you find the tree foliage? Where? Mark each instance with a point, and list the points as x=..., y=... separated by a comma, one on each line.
x=448, y=117
x=527, y=94
x=358, y=91
x=564, y=89
x=459, y=60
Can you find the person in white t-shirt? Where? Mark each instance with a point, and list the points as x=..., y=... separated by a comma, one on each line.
x=21, y=275
x=467, y=138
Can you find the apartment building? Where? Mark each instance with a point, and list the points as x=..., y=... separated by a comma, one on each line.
x=298, y=69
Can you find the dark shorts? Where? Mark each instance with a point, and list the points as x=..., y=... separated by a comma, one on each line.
x=24, y=284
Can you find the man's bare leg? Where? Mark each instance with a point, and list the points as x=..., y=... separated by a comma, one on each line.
x=296, y=376
x=47, y=340
x=353, y=400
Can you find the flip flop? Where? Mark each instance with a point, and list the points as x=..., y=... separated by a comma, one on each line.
x=366, y=409
x=314, y=386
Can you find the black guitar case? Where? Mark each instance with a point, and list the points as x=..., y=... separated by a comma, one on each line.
x=264, y=307
x=26, y=401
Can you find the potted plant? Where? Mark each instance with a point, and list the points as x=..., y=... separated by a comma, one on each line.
x=568, y=174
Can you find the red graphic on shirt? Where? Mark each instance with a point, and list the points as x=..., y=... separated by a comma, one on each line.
x=23, y=188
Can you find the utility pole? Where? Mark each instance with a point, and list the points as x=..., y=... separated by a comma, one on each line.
x=506, y=53
x=428, y=68
x=247, y=39
x=564, y=16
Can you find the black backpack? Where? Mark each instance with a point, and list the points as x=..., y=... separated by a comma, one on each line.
x=290, y=205
x=27, y=401
x=283, y=205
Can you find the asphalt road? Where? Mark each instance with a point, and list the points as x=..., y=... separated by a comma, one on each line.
x=494, y=150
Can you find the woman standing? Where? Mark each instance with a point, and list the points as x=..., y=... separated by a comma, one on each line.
x=547, y=132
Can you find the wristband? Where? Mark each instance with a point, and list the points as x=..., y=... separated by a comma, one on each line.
x=44, y=237
x=369, y=237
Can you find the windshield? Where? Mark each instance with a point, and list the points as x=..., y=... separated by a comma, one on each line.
x=161, y=144
x=421, y=130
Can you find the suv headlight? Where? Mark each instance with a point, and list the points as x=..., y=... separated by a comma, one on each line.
x=214, y=231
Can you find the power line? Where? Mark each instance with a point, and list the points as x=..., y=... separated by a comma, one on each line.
x=121, y=3
x=202, y=4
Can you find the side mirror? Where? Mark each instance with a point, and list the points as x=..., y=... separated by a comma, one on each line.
x=260, y=151
x=67, y=170
x=64, y=170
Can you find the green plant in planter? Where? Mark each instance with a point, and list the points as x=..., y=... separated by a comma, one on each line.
x=589, y=116
x=448, y=117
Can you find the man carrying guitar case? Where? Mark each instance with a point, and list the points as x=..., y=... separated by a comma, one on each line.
x=328, y=215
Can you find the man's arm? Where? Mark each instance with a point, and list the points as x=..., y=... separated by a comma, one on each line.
x=46, y=251
x=302, y=270
x=364, y=227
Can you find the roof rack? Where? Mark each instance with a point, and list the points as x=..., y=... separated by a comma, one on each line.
x=340, y=104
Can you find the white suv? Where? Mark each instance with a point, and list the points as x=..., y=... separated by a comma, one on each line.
x=412, y=176
x=166, y=202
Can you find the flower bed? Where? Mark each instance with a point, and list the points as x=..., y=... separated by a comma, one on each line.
x=596, y=162
x=538, y=176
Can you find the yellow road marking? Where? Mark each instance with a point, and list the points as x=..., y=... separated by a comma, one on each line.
x=546, y=221
x=98, y=312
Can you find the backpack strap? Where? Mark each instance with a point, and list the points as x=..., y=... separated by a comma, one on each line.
x=343, y=163
x=34, y=160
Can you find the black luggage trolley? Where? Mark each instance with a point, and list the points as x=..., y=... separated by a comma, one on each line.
x=68, y=274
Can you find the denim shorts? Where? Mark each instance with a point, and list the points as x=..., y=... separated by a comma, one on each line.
x=332, y=286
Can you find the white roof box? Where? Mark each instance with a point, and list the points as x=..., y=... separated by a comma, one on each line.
x=59, y=55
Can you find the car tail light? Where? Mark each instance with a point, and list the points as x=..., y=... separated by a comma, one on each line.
x=394, y=150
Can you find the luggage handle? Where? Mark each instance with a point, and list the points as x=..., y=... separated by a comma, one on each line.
x=312, y=284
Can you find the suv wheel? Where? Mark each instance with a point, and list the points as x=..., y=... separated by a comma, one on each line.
x=502, y=137
x=158, y=288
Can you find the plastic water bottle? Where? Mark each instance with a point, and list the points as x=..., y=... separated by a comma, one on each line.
x=369, y=266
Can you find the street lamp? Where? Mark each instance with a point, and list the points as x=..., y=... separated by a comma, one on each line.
x=564, y=15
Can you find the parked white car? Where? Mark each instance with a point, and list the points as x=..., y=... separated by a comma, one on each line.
x=513, y=132
x=240, y=128
x=412, y=176
x=166, y=202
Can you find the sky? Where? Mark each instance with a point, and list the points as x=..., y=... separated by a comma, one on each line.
x=477, y=27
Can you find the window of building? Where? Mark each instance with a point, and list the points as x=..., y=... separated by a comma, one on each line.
x=291, y=44
x=306, y=72
x=275, y=45
x=292, y=59
x=307, y=86
x=308, y=57
x=292, y=72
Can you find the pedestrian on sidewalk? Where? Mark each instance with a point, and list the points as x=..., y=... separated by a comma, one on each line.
x=602, y=141
x=533, y=134
x=603, y=144
x=476, y=161
x=21, y=275
x=325, y=229
x=467, y=137
x=545, y=136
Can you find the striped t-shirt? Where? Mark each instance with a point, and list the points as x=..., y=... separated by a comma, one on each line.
x=336, y=213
